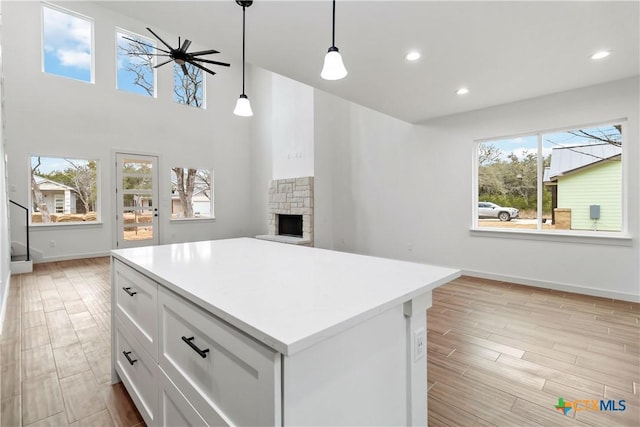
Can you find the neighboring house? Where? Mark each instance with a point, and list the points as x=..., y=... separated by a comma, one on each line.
x=582, y=176
x=59, y=198
x=202, y=205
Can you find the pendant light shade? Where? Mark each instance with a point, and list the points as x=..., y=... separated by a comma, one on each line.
x=243, y=106
x=333, y=68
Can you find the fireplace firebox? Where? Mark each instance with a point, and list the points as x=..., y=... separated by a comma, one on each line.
x=289, y=225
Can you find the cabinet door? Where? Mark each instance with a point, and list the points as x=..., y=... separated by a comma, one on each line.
x=136, y=304
x=138, y=371
x=223, y=372
x=175, y=410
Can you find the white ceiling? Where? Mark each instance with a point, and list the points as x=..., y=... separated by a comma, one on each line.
x=502, y=51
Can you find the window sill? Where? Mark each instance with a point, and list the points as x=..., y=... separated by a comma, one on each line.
x=64, y=225
x=593, y=238
x=187, y=220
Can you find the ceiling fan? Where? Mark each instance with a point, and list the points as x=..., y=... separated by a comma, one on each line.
x=180, y=54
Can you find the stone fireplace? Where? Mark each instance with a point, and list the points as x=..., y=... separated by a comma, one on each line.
x=291, y=197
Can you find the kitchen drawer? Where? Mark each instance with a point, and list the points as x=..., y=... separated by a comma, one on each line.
x=139, y=372
x=175, y=410
x=223, y=372
x=136, y=299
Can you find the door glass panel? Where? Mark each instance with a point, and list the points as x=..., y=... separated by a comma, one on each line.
x=137, y=180
x=138, y=233
x=136, y=183
x=137, y=200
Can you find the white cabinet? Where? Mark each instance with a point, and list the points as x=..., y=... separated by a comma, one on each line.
x=248, y=332
x=176, y=410
x=135, y=297
x=138, y=370
x=225, y=374
x=184, y=366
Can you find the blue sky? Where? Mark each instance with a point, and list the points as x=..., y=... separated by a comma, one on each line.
x=67, y=49
x=529, y=144
x=51, y=164
x=67, y=44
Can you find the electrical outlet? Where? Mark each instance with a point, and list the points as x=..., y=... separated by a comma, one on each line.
x=419, y=344
x=52, y=243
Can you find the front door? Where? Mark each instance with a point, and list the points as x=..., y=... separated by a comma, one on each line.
x=137, y=200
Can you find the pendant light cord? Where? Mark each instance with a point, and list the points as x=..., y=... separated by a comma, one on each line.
x=333, y=33
x=243, y=13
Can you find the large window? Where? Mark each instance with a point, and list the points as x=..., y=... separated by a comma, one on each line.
x=188, y=87
x=564, y=180
x=67, y=44
x=63, y=190
x=135, y=59
x=191, y=193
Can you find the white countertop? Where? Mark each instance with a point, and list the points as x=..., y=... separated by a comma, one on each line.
x=286, y=296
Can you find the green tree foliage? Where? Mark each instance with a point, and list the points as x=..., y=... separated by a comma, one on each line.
x=511, y=180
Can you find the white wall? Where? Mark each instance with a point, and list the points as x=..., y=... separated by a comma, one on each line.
x=260, y=90
x=5, y=249
x=55, y=116
x=404, y=191
x=292, y=127
x=332, y=168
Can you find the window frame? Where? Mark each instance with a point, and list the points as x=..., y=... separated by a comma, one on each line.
x=98, y=207
x=621, y=237
x=92, y=71
x=154, y=71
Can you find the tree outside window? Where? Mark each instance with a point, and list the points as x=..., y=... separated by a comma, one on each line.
x=135, y=63
x=191, y=193
x=188, y=89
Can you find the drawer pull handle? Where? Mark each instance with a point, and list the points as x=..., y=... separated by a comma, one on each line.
x=126, y=354
x=202, y=353
x=128, y=290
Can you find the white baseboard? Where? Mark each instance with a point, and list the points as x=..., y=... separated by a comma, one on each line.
x=71, y=257
x=3, y=308
x=605, y=293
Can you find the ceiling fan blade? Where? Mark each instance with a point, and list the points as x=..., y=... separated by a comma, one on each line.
x=145, y=44
x=185, y=45
x=204, y=52
x=184, y=70
x=158, y=37
x=208, y=61
x=161, y=64
x=202, y=68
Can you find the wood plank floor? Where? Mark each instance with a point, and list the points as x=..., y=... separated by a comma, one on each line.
x=502, y=354
x=55, y=350
x=499, y=354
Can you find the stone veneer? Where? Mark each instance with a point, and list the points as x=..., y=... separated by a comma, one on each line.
x=292, y=196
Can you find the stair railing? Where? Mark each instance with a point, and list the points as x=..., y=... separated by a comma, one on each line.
x=26, y=217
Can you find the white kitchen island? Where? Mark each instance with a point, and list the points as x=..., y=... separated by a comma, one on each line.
x=250, y=332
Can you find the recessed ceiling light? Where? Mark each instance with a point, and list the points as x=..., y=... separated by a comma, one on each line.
x=600, y=55
x=462, y=91
x=412, y=56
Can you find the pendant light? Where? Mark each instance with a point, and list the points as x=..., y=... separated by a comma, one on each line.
x=333, y=68
x=243, y=107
